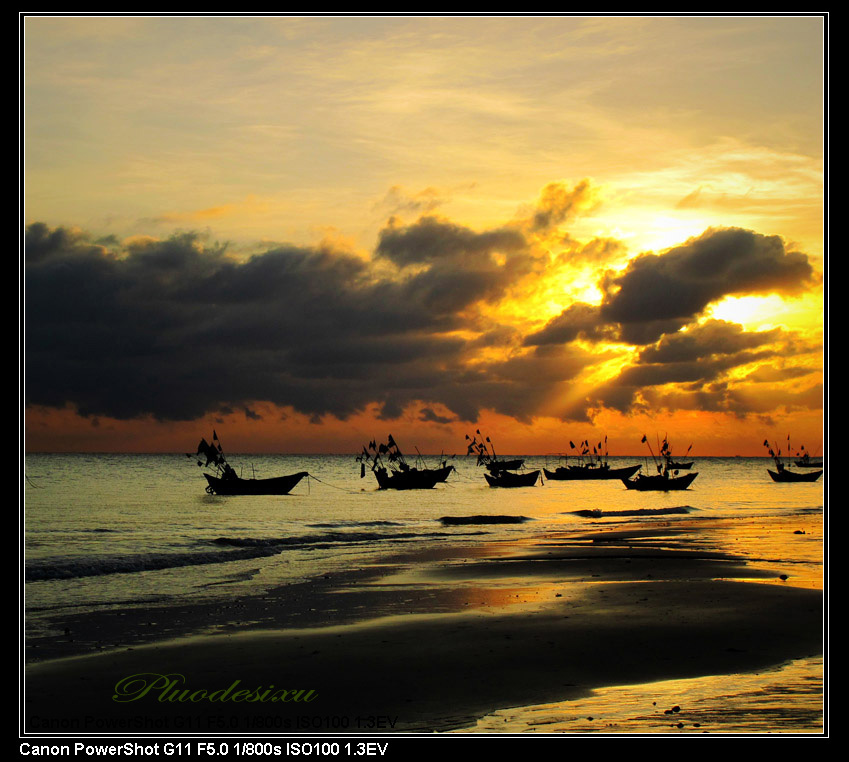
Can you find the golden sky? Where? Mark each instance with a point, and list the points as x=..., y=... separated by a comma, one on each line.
x=310, y=232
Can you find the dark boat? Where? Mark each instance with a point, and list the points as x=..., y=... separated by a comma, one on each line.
x=589, y=471
x=485, y=451
x=667, y=478
x=509, y=479
x=783, y=475
x=673, y=466
x=411, y=478
x=660, y=483
x=392, y=471
x=233, y=485
x=593, y=465
x=226, y=482
x=806, y=462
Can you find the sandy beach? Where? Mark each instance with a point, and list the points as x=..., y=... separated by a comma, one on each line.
x=435, y=642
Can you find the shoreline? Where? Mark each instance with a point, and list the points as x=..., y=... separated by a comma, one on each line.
x=422, y=645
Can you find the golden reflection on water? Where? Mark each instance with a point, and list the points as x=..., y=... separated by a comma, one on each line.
x=788, y=699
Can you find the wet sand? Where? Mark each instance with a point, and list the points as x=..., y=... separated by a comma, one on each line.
x=429, y=643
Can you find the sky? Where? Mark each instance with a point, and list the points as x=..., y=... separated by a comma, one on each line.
x=312, y=232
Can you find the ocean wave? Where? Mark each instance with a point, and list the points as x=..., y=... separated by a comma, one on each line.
x=300, y=541
x=52, y=569
x=231, y=549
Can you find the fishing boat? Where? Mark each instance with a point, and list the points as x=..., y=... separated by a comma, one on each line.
x=485, y=452
x=510, y=479
x=593, y=464
x=227, y=482
x=662, y=482
x=666, y=479
x=589, y=471
x=782, y=474
x=392, y=471
x=805, y=461
x=279, y=485
x=671, y=464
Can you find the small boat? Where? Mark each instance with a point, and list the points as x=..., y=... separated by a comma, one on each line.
x=669, y=463
x=675, y=466
x=485, y=451
x=593, y=465
x=589, y=471
x=510, y=479
x=663, y=482
x=411, y=478
x=395, y=472
x=227, y=482
x=806, y=462
x=666, y=479
x=233, y=485
x=783, y=475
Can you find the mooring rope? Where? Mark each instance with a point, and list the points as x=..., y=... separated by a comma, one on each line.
x=328, y=484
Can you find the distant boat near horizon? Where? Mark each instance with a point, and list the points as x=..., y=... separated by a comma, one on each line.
x=806, y=462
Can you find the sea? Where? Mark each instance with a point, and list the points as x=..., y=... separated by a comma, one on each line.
x=105, y=531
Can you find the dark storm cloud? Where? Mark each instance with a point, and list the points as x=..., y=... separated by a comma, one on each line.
x=578, y=320
x=712, y=338
x=177, y=328
x=680, y=283
x=696, y=362
x=658, y=294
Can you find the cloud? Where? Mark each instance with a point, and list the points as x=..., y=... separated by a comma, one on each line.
x=180, y=327
x=558, y=202
x=691, y=369
x=680, y=283
x=658, y=294
x=579, y=320
x=710, y=339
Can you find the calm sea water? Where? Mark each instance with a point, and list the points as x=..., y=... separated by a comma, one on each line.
x=113, y=529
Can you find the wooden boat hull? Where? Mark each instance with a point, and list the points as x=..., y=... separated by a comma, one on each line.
x=413, y=478
x=660, y=483
x=808, y=464
x=575, y=473
x=679, y=466
x=508, y=479
x=792, y=476
x=280, y=485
